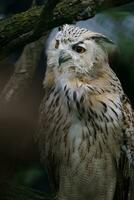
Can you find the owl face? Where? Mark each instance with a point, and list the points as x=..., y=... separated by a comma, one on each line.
x=78, y=52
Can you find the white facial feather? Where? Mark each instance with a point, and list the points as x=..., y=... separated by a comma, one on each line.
x=63, y=56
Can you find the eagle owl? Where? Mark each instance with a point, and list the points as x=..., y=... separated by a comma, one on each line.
x=86, y=134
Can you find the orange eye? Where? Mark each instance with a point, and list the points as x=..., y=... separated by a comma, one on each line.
x=57, y=44
x=79, y=49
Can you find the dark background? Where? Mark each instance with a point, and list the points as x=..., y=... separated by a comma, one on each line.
x=15, y=6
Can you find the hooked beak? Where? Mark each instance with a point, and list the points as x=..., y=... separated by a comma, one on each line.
x=64, y=56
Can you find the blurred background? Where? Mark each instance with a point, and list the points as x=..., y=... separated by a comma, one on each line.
x=118, y=25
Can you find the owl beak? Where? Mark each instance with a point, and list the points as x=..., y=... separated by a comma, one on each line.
x=64, y=56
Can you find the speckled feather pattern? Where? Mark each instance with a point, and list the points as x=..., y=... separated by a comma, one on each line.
x=86, y=121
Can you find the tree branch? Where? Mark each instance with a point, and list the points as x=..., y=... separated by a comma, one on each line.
x=29, y=26
x=23, y=74
x=18, y=112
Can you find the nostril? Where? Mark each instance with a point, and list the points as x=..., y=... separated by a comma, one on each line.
x=62, y=52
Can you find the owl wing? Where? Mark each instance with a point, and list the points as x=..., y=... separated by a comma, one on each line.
x=50, y=164
x=123, y=179
x=125, y=171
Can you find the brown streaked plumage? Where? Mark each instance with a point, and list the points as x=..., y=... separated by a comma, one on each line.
x=86, y=136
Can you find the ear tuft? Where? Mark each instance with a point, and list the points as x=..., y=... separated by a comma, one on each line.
x=111, y=49
x=60, y=28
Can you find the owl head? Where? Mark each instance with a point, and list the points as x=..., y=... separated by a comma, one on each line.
x=79, y=52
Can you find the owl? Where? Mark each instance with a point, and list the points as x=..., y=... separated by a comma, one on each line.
x=86, y=126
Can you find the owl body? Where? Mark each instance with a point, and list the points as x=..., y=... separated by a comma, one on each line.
x=82, y=119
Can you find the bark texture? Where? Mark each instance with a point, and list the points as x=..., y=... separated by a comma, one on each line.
x=29, y=26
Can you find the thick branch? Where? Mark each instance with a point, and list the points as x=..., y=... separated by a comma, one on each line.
x=19, y=30
x=18, y=112
x=23, y=74
x=17, y=25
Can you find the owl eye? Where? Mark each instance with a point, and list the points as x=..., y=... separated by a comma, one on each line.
x=78, y=49
x=57, y=44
